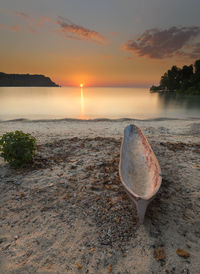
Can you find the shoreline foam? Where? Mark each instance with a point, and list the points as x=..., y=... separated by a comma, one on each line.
x=99, y=119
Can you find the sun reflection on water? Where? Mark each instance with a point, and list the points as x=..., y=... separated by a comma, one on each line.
x=82, y=105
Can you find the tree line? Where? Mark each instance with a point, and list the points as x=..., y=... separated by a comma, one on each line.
x=25, y=80
x=184, y=80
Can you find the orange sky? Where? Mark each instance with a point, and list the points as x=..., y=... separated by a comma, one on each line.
x=105, y=43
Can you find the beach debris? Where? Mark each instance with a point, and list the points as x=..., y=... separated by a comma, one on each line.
x=109, y=268
x=25, y=261
x=180, y=146
x=159, y=254
x=72, y=179
x=118, y=219
x=91, y=250
x=79, y=266
x=182, y=253
x=73, y=160
x=2, y=240
x=96, y=188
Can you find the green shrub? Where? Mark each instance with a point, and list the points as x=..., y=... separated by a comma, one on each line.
x=17, y=148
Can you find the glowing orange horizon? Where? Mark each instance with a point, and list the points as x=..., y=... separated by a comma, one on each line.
x=90, y=83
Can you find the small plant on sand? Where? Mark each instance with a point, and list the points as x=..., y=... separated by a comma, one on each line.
x=17, y=148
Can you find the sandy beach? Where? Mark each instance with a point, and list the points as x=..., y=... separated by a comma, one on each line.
x=68, y=211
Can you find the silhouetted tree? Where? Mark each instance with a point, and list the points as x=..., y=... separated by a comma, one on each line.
x=186, y=73
x=171, y=79
x=186, y=79
x=197, y=67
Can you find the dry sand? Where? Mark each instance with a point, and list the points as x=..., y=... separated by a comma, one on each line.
x=68, y=212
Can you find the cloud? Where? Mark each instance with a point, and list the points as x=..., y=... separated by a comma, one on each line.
x=160, y=44
x=68, y=29
x=15, y=28
x=35, y=22
x=28, y=22
x=23, y=15
x=195, y=50
x=73, y=31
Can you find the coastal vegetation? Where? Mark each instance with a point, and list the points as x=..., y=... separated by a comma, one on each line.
x=25, y=80
x=17, y=148
x=184, y=80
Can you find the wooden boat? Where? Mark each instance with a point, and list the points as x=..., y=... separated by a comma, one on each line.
x=139, y=169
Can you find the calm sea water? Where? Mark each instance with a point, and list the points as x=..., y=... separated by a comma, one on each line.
x=91, y=103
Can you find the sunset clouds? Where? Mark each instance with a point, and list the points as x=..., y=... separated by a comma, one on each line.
x=153, y=43
x=34, y=21
x=25, y=22
x=60, y=25
x=15, y=28
x=73, y=31
x=99, y=41
x=160, y=44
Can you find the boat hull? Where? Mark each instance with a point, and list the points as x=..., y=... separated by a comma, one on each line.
x=139, y=169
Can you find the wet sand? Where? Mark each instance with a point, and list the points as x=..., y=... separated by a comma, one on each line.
x=68, y=212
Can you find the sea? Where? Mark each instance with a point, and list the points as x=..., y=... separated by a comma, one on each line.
x=36, y=103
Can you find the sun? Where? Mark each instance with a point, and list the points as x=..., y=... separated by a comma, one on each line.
x=81, y=85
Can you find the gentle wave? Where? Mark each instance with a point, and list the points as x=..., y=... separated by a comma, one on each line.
x=97, y=120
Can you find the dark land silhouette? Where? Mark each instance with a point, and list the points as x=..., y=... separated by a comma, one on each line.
x=25, y=80
x=185, y=80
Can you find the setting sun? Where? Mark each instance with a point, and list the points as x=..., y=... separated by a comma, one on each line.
x=81, y=85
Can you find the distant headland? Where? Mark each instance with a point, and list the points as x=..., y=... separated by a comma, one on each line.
x=185, y=80
x=25, y=80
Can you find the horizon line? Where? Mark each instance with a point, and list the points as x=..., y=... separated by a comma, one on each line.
x=108, y=86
